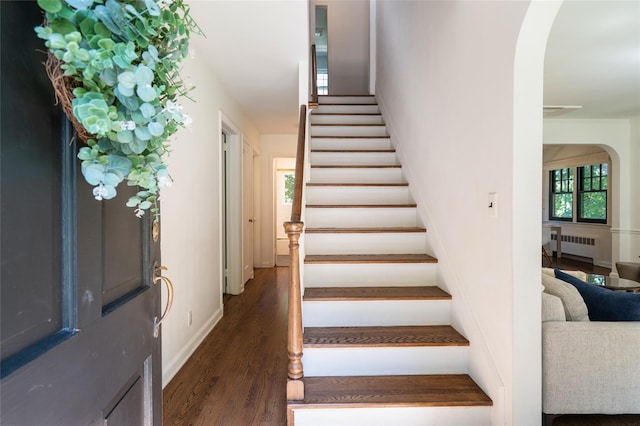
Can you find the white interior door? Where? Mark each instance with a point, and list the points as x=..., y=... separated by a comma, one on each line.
x=248, y=218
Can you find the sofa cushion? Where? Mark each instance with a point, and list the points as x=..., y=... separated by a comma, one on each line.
x=575, y=308
x=552, y=308
x=604, y=304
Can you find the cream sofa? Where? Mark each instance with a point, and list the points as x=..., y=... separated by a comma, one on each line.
x=587, y=367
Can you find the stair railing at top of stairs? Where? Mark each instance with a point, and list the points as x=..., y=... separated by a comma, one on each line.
x=293, y=228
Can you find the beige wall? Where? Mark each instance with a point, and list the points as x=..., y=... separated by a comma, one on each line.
x=191, y=222
x=348, y=46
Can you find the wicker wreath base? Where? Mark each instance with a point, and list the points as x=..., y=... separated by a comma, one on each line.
x=63, y=86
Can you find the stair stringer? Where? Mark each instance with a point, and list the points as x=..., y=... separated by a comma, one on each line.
x=481, y=364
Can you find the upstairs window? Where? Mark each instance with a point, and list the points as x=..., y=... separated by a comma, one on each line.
x=592, y=193
x=561, y=194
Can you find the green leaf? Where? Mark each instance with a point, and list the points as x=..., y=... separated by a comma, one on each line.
x=127, y=79
x=125, y=136
x=144, y=75
x=156, y=129
x=112, y=179
x=62, y=26
x=100, y=29
x=85, y=153
x=93, y=174
x=51, y=6
x=138, y=146
x=111, y=192
x=119, y=163
x=145, y=205
x=80, y=4
x=143, y=133
x=147, y=110
x=133, y=201
x=146, y=93
x=106, y=44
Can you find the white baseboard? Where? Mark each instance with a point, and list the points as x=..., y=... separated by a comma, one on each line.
x=181, y=357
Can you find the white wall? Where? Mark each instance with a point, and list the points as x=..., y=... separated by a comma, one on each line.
x=190, y=221
x=445, y=79
x=348, y=46
x=271, y=147
x=617, y=138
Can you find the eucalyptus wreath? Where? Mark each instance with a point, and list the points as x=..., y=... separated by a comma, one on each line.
x=120, y=59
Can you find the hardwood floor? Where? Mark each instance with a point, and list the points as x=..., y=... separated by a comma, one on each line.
x=238, y=374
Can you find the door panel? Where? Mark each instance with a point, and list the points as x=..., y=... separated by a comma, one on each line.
x=123, y=254
x=31, y=193
x=78, y=299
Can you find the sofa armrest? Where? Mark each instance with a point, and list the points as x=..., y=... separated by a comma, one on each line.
x=591, y=367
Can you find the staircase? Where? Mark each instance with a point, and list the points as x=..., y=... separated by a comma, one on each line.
x=378, y=345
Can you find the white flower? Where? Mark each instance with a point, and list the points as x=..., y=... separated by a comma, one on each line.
x=164, y=182
x=99, y=192
x=187, y=120
x=128, y=125
x=164, y=2
x=139, y=212
x=173, y=107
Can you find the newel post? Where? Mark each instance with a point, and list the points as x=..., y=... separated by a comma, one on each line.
x=295, y=385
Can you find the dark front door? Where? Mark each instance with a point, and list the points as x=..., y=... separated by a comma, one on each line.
x=78, y=298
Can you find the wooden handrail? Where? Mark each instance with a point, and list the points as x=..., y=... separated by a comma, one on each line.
x=313, y=103
x=296, y=208
x=293, y=228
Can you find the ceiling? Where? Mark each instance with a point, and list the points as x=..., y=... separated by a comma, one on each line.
x=254, y=48
x=593, y=60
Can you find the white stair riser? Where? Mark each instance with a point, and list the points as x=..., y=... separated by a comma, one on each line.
x=394, y=416
x=369, y=274
x=366, y=243
x=365, y=217
x=375, y=361
x=346, y=119
x=358, y=195
x=363, y=175
x=328, y=99
x=348, y=109
x=350, y=143
x=348, y=130
x=376, y=313
x=353, y=158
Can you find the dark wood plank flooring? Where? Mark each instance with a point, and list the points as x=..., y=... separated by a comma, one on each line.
x=238, y=374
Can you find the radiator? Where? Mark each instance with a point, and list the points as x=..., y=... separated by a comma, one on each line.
x=577, y=245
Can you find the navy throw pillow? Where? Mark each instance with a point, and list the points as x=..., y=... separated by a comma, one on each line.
x=604, y=304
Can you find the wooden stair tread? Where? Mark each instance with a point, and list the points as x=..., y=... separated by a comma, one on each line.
x=351, y=137
x=357, y=184
x=362, y=230
x=357, y=166
x=445, y=390
x=392, y=336
x=358, y=206
x=354, y=151
x=348, y=113
x=375, y=293
x=369, y=258
x=347, y=124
